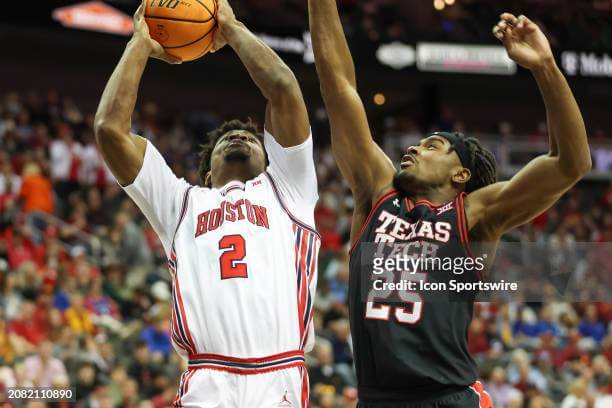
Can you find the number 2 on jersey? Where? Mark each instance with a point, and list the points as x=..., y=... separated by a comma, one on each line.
x=229, y=262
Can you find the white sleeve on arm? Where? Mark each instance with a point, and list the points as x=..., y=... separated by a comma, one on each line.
x=159, y=195
x=293, y=171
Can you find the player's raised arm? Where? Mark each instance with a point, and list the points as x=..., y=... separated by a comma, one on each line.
x=286, y=115
x=137, y=164
x=503, y=206
x=363, y=164
x=123, y=151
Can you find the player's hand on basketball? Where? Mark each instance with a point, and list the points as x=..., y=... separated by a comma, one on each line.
x=141, y=34
x=225, y=19
x=524, y=41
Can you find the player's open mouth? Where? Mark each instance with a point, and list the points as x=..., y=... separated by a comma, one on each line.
x=236, y=144
x=407, y=160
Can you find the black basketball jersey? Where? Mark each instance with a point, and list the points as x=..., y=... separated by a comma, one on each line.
x=407, y=351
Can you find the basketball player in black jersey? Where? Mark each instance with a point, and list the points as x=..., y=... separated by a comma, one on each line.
x=410, y=352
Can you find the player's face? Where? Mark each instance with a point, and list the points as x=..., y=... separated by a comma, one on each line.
x=239, y=147
x=431, y=164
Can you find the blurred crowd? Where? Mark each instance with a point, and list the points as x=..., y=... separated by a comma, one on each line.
x=84, y=289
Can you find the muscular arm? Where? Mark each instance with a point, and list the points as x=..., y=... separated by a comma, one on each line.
x=366, y=168
x=286, y=115
x=122, y=150
x=503, y=206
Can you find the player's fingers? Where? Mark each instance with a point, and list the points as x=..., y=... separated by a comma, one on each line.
x=509, y=18
x=526, y=24
x=139, y=14
x=168, y=58
x=498, y=33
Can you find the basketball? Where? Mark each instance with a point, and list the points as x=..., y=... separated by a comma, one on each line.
x=185, y=28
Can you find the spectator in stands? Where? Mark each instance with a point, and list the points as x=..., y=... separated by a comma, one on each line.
x=44, y=370
x=577, y=397
x=324, y=373
x=26, y=327
x=79, y=318
x=502, y=393
x=590, y=326
x=36, y=191
x=157, y=337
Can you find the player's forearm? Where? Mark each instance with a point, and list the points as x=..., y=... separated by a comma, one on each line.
x=119, y=97
x=333, y=58
x=271, y=75
x=566, y=127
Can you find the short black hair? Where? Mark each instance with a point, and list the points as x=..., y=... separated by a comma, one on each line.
x=484, y=164
x=214, y=136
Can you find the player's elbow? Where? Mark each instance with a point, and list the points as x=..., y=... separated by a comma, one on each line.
x=337, y=90
x=584, y=167
x=105, y=129
x=285, y=84
x=576, y=168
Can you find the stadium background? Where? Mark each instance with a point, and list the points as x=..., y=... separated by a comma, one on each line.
x=83, y=282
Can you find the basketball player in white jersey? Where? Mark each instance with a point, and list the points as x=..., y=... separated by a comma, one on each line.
x=242, y=249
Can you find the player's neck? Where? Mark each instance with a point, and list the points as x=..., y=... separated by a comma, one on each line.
x=434, y=196
x=231, y=173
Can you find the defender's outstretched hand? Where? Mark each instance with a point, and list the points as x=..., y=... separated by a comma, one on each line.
x=141, y=34
x=525, y=42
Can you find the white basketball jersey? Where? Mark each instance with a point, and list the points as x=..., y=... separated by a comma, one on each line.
x=243, y=258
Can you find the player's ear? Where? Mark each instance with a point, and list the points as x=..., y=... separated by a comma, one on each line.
x=208, y=179
x=461, y=175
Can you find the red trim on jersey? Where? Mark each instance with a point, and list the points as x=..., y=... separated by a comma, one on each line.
x=190, y=342
x=311, y=272
x=250, y=360
x=305, y=388
x=484, y=399
x=246, y=372
x=177, y=334
x=180, y=328
x=247, y=366
x=182, y=213
x=302, y=288
x=409, y=204
x=179, y=393
x=463, y=225
x=372, y=211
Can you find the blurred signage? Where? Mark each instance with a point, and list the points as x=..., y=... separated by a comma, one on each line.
x=476, y=59
x=292, y=45
x=396, y=55
x=95, y=16
x=586, y=64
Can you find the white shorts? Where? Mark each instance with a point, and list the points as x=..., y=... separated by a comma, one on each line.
x=224, y=382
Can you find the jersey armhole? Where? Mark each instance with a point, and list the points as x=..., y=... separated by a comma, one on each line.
x=369, y=217
x=184, y=206
x=462, y=224
x=293, y=218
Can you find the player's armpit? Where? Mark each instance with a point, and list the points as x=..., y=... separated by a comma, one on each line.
x=503, y=206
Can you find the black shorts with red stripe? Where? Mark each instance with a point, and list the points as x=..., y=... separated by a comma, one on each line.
x=473, y=396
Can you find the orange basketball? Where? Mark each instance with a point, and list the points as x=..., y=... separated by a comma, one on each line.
x=185, y=28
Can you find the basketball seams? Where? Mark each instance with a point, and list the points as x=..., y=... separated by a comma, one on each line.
x=213, y=15
x=194, y=41
x=180, y=19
